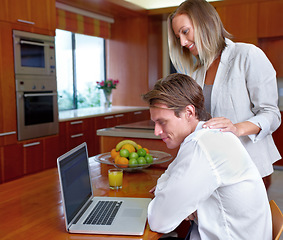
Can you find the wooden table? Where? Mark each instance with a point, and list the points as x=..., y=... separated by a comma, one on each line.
x=31, y=207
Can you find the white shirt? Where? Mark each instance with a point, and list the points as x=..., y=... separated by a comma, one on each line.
x=214, y=175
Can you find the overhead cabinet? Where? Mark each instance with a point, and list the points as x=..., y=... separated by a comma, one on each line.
x=38, y=14
x=270, y=21
x=240, y=20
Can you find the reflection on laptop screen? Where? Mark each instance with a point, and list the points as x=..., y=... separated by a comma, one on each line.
x=75, y=181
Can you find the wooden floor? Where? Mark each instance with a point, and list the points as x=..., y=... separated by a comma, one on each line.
x=275, y=191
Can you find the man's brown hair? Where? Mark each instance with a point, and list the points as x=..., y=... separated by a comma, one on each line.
x=177, y=91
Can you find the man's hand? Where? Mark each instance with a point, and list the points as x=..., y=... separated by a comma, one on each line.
x=152, y=190
x=192, y=217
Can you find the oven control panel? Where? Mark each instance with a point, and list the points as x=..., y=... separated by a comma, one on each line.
x=38, y=84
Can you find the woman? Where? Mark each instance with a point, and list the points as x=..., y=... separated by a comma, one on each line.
x=238, y=80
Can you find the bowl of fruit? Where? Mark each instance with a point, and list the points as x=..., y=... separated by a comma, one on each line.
x=131, y=156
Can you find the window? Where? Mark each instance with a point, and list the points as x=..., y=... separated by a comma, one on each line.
x=80, y=63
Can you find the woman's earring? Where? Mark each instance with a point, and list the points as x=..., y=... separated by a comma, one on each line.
x=182, y=50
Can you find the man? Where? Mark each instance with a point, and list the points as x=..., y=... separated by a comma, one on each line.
x=212, y=174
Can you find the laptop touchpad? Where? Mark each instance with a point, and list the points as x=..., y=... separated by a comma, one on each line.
x=132, y=212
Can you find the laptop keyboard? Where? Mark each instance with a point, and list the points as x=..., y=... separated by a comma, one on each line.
x=103, y=213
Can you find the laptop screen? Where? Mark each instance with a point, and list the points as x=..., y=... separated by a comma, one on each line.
x=75, y=180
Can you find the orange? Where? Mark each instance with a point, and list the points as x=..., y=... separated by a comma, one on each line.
x=146, y=149
x=129, y=147
x=139, y=146
x=116, y=159
x=114, y=153
x=123, y=162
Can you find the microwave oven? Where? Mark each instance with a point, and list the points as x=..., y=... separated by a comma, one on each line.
x=34, y=54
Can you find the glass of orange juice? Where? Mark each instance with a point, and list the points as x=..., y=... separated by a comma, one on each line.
x=115, y=177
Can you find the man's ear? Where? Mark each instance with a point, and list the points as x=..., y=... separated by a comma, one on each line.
x=190, y=111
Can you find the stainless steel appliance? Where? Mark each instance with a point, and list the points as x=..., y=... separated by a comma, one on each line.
x=37, y=108
x=34, y=54
x=36, y=87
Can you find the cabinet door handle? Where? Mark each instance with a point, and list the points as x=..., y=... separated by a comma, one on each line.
x=31, y=144
x=109, y=117
x=119, y=115
x=136, y=113
x=77, y=135
x=25, y=21
x=76, y=122
x=7, y=133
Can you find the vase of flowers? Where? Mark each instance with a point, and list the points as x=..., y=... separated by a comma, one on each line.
x=107, y=86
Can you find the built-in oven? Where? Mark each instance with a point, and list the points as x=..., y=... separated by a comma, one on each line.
x=37, y=108
x=34, y=54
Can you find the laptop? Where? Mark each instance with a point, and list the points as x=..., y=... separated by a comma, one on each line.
x=124, y=216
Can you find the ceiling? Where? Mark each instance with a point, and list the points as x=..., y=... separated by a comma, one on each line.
x=124, y=8
x=154, y=4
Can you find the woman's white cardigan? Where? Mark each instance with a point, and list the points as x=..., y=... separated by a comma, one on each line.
x=245, y=89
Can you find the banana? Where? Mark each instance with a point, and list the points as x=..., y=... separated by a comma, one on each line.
x=120, y=144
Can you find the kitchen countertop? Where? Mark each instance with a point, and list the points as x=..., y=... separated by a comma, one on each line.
x=143, y=129
x=95, y=112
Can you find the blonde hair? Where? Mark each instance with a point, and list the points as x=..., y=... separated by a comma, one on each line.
x=209, y=34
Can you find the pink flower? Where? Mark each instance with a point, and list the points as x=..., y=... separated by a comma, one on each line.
x=107, y=84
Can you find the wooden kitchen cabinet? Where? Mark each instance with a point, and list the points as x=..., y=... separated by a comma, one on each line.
x=138, y=116
x=273, y=47
x=1, y=173
x=51, y=151
x=33, y=156
x=270, y=22
x=73, y=133
x=79, y=131
x=8, y=119
x=106, y=122
x=39, y=14
x=121, y=118
x=99, y=123
x=239, y=19
x=112, y=121
x=62, y=137
x=3, y=10
x=12, y=162
x=28, y=157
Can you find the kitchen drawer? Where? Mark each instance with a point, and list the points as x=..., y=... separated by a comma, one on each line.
x=138, y=116
x=79, y=131
x=76, y=127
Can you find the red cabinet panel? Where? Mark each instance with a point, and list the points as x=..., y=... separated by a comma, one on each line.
x=12, y=162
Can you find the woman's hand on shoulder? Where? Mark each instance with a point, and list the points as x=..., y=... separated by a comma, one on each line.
x=222, y=123
x=225, y=125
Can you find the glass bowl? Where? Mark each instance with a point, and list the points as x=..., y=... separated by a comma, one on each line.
x=158, y=158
